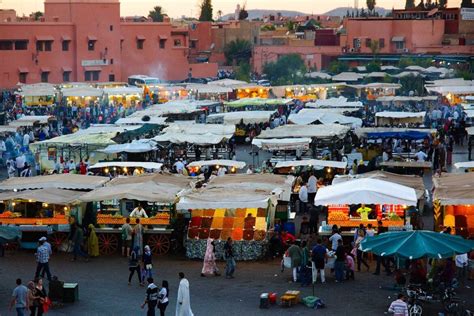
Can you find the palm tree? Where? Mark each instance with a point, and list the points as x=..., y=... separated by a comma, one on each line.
x=219, y=15
x=156, y=14
x=238, y=51
x=371, y=6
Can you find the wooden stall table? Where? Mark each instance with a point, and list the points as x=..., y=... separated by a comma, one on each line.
x=406, y=166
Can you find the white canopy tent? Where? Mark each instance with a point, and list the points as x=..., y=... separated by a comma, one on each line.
x=305, y=131
x=387, y=117
x=340, y=102
x=248, y=117
x=137, y=146
x=282, y=143
x=218, y=162
x=82, y=92
x=464, y=164
x=313, y=163
x=199, y=134
x=127, y=90
x=309, y=116
x=37, y=90
x=316, y=74
x=127, y=164
x=57, y=181
x=156, y=120
x=367, y=191
x=407, y=74
x=347, y=76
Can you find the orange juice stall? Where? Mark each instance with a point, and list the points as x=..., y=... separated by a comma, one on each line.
x=240, y=206
x=38, y=213
x=365, y=201
x=114, y=203
x=453, y=203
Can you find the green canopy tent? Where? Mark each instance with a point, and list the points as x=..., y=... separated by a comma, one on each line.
x=416, y=244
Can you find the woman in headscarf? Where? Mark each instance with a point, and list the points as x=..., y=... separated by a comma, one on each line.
x=210, y=266
x=138, y=236
x=92, y=242
x=32, y=298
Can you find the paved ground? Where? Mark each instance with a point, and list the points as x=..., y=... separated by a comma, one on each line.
x=103, y=288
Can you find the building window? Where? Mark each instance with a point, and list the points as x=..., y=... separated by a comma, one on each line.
x=121, y=45
x=381, y=42
x=91, y=45
x=22, y=77
x=399, y=45
x=193, y=43
x=111, y=28
x=91, y=75
x=21, y=45
x=140, y=43
x=44, y=76
x=44, y=46
x=66, y=76
x=368, y=41
x=177, y=43
x=6, y=45
x=111, y=78
x=65, y=46
x=162, y=43
x=111, y=61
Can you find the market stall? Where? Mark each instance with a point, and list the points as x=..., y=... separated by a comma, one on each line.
x=238, y=117
x=39, y=212
x=256, y=104
x=250, y=91
x=453, y=202
x=396, y=118
x=232, y=165
x=365, y=201
x=81, y=96
x=305, y=93
x=39, y=94
x=315, y=116
x=209, y=91
x=239, y=206
x=116, y=168
x=127, y=96
x=334, y=103
x=113, y=203
x=372, y=91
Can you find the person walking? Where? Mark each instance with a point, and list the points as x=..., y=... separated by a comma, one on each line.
x=319, y=259
x=209, y=265
x=312, y=188
x=303, y=198
x=138, y=236
x=296, y=254
x=50, y=251
x=20, y=299
x=42, y=259
x=339, y=264
x=134, y=265
x=163, y=297
x=77, y=240
x=31, y=297
x=359, y=253
x=462, y=262
x=183, y=302
x=151, y=298
x=126, y=238
x=147, y=264
x=41, y=298
x=399, y=307
x=229, y=259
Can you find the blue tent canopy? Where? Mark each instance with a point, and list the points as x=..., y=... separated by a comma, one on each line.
x=412, y=135
x=9, y=233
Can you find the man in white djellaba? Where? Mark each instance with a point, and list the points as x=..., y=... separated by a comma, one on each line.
x=183, y=303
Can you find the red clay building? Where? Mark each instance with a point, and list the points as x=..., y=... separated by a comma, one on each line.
x=86, y=40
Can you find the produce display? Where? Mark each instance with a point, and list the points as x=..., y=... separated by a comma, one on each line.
x=337, y=216
x=162, y=218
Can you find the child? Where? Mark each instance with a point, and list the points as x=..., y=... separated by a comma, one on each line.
x=350, y=266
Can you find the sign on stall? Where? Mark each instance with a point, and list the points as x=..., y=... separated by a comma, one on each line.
x=94, y=62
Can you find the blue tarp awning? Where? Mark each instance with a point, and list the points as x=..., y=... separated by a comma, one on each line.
x=412, y=135
x=9, y=233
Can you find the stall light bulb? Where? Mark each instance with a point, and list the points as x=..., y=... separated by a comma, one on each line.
x=30, y=200
x=13, y=204
x=106, y=170
x=65, y=208
x=115, y=168
x=217, y=166
x=125, y=169
x=45, y=204
x=233, y=169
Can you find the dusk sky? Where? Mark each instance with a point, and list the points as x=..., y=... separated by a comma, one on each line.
x=176, y=8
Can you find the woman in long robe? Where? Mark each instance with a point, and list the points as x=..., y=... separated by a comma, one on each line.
x=92, y=242
x=210, y=266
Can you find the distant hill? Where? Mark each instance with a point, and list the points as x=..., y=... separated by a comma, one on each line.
x=342, y=11
x=260, y=13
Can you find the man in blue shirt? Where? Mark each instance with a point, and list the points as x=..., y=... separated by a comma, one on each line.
x=319, y=258
x=42, y=258
x=20, y=299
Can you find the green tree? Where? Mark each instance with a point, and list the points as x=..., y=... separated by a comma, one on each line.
x=242, y=72
x=238, y=51
x=465, y=74
x=219, y=15
x=37, y=15
x=288, y=69
x=407, y=61
x=410, y=4
x=466, y=4
x=290, y=25
x=243, y=14
x=373, y=66
x=442, y=4
x=374, y=47
x=156, y=14
x=336, y=67
x=268, y=27
x=371, y=5
x=412, y=83
x=206, y=11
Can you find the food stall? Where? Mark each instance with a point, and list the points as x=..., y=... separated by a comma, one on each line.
x=453, y=203
x=262, y=104
x=43, y=204
x=208, y=91
x=240, y=206
x=116, y=168
x=379, y=200
x=232, y=165
x=113, y=203
x=251, y=91
x=127, y=96
x=82, y=95
x=318, y=116
x=396, y=118
x=39, y=94
x=326, y=169
x=305, y=93
x=335, y=103
x=372, y=91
